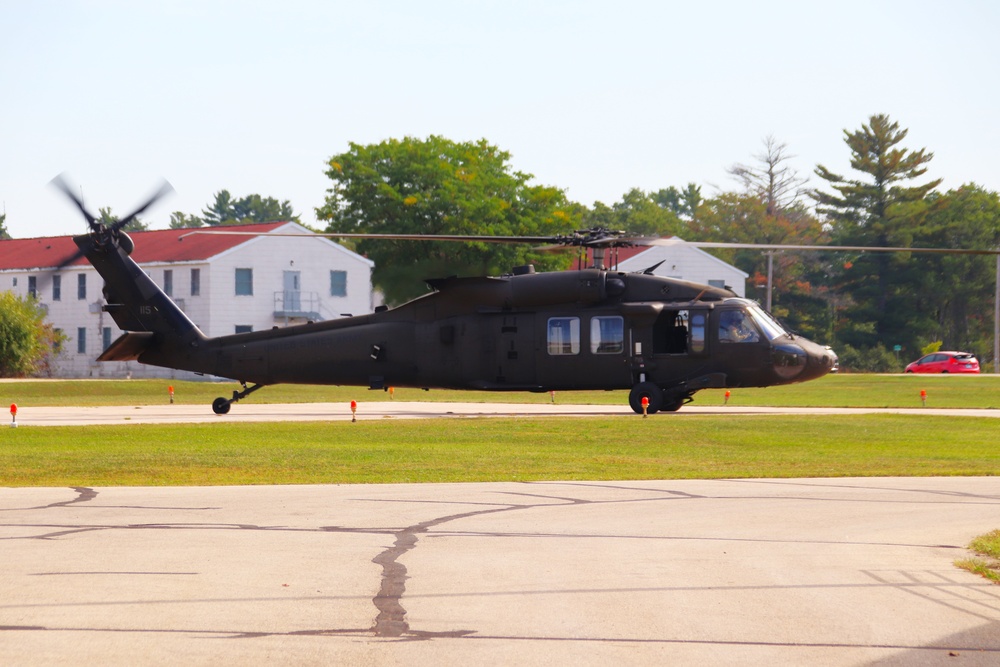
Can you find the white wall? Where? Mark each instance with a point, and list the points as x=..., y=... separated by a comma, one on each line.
x=688, y=264
x=270, y=257
x=216, y=310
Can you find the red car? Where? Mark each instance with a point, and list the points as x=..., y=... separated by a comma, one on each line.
x=945, y=362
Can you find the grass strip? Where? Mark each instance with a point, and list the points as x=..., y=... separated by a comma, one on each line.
x=986, y=563
x=499, y=449
x=859, y=391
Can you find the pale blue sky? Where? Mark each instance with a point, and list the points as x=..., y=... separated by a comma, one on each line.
x=593, y=97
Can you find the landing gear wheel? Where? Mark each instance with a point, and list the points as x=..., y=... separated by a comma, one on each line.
x=220, y=406
x=672, y=403
x=651, y=392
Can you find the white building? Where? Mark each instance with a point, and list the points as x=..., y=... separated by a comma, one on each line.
x=225, y=283
x=684, y=262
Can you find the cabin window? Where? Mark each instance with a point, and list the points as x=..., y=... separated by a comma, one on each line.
x=338, y=283
x=735, y=326
x=81, y=340
x=168, y=282
x=607, y=335
x=195, y=282
x=244, y=282
x=57, y=287
x=81, y=286
x=564, y=335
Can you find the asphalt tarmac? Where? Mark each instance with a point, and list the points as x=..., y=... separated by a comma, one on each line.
x=727, y=572
x=721, y=572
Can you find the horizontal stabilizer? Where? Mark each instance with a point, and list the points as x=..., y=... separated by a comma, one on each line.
x=128, y=347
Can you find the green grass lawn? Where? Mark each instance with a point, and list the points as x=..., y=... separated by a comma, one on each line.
x=502, y=449
x=953, y=391
x=452, y=450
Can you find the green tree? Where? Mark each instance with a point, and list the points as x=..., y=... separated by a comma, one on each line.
x=878, y=209
x=438, y=186
x=181, y=220
x=4, y=234
x=106, y=217
x=638, y=213
x=26, y=340
x=225, y=210
x=955, y=292
x=684, y=203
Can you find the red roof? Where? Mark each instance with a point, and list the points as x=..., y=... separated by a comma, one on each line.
x=161, y=245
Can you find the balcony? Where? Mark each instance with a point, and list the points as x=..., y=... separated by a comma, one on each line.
x=296, y=305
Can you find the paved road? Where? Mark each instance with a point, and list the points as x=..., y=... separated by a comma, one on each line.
x=260, y=412
x=777, y=572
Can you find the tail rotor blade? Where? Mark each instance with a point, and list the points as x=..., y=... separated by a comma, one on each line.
x=164, y=189
x=60, y=183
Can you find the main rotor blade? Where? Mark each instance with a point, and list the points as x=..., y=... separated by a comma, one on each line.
x=562, y=242
x=465, y=238
x=834, y=248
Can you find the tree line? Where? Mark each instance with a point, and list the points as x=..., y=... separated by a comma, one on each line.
x=865, y=305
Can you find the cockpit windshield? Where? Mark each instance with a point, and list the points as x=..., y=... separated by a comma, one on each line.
x=767, y=324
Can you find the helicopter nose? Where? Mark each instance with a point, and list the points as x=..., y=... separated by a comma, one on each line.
x=789, y=360
x=803, y=360
x=822, y=360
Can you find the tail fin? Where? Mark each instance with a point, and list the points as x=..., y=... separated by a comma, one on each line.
x=134, y=301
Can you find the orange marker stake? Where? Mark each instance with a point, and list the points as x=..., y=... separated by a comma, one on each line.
x=170, y=390
x=645, y=406
x=552, y=395
x=13, y=415
x=391, y=391
x=354, y=411
x=923, y=397
x=727, y=398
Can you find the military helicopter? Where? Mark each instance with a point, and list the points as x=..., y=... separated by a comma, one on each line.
x=663, y=339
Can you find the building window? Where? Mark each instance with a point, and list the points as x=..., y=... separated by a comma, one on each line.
x=33, y=287
x=338, y=283
x=244, y=282
x=244, y=328
x=81, y=286
x=607, y=335
x=564, y=335
x=57, y=340
x=106, y=337
x=168, y=282
x=81, y=340
x=195, y=282
x=57, y=287
x=717, y=283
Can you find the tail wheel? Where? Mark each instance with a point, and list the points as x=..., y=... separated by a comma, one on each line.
x=220, y=406
x=649, y=391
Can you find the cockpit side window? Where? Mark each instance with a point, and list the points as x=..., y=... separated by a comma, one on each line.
x=736, y=326
x=766, y=323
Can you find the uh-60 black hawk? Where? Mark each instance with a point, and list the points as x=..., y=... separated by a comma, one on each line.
x=662, y=338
